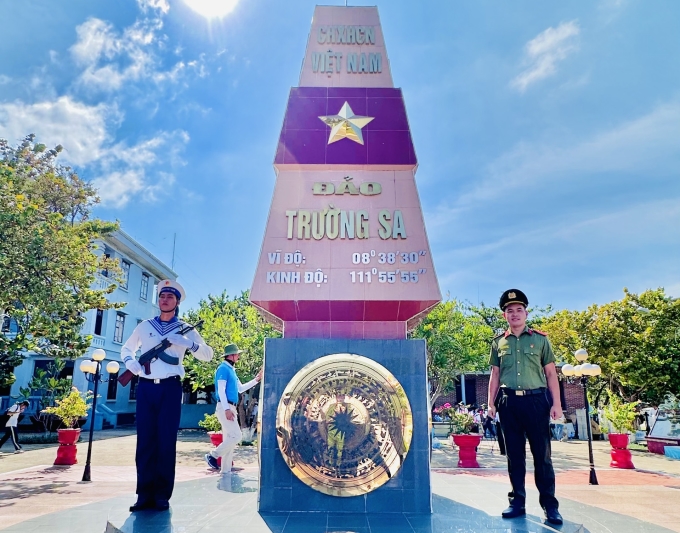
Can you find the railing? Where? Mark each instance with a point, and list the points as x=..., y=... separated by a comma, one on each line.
x=34, y=404
x=98, y=341
x=102, y=282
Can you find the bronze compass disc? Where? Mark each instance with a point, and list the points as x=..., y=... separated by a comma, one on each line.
x=344, y=425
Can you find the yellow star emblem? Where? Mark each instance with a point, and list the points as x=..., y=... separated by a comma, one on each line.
x=346, y=124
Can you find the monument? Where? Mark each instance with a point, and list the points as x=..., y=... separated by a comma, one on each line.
x=344, y=272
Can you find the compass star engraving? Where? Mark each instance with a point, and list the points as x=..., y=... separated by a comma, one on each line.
x=346, y=125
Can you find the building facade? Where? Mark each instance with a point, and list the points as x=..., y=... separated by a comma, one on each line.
x=109, y=328
x=473, y=388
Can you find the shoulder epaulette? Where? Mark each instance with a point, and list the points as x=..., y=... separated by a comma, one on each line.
x=539, y=332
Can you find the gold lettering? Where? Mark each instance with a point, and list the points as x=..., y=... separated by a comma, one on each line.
x=318, y=225
x=323, y=188
x=304, y=218
x=347, y=224
x=291, y=219
x=370, y=188
x=362, y=226
x=385, y=228
x=399, y=227
x=347, y=187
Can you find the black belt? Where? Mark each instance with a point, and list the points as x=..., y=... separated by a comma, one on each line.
x=161, y=380
x=528, y=392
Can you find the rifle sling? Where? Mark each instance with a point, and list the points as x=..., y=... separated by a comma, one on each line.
x=171, y=360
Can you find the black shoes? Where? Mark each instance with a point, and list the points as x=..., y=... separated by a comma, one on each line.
x=553, y=516
x=514, y=512
x=212, y=462
x=142, y=506
x=162, y=505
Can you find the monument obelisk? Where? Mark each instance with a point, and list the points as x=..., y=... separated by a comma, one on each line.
x=344, y=272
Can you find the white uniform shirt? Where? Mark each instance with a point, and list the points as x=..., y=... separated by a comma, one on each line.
x=151, y=332
x=13, y=413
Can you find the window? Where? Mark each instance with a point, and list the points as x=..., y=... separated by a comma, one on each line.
x=113, y=387
x=98, y=322
x=155, y=294
x=144, y=289
x=133, y=387
x=9, y=325
x=107, y=255
x=125, y=276
x=120, y=325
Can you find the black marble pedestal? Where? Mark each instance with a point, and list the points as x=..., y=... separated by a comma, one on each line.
x=407, y=492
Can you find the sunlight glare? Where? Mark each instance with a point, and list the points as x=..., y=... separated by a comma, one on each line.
x=212, y=8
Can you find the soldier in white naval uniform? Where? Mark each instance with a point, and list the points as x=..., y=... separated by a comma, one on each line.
x=159, y=396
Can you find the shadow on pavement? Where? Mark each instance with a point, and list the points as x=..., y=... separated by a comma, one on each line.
x=144, y=522
x=18, y=490
x=447, y=515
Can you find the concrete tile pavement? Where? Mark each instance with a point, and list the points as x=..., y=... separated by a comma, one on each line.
x=33, y=492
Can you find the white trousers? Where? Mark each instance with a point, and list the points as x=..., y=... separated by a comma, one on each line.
x=231, y=436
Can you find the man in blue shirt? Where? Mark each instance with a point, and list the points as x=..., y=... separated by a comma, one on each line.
x=227, y=388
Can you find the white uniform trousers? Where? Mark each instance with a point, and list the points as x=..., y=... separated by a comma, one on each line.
x=231, y=436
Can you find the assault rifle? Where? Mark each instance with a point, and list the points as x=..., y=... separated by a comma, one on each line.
x=157, y=352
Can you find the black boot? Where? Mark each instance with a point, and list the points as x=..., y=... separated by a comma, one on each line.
x=514, y=512
x=142, y=505
x=553, y=516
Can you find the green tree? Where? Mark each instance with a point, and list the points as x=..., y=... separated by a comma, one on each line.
x=457, y=341
x=47, y=260
x=228, y=320
x=635, y=340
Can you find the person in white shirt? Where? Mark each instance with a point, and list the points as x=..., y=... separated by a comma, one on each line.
x=159, y=396
x=11, y=425
x=228, y=387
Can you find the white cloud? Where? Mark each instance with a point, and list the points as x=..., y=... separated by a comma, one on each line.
x=111, y=59
x=124, y=169
x=4, y=80
x=160, y=5
x=117, y=188
x=81, y=129
x=643, y=145
x=544, y=51
x=87, y=134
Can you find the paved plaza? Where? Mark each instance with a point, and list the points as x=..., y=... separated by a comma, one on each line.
x=36, y=496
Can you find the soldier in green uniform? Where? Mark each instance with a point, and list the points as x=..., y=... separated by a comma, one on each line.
x=524, y=389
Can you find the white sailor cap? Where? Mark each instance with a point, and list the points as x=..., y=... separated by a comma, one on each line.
x=169, y=285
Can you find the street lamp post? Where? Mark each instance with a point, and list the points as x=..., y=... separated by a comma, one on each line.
x=582, y=371
x=92, y=371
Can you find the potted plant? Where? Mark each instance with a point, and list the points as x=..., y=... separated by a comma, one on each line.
x=69, y=409
x=621, y=416
x=461, y=425
x=212, y=425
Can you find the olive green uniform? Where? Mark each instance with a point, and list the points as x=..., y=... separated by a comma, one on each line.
x=524, y=410
x=521, y=360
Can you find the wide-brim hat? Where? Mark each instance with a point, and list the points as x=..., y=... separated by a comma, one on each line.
x=231, y=349
x=513, y=296
x=170, y=285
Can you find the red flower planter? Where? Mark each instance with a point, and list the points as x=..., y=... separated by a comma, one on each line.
x=216, y=439
x=621, y=457
x=66, y=453
x=467, y=453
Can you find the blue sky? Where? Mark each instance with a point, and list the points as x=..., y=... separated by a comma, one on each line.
x=547, y=133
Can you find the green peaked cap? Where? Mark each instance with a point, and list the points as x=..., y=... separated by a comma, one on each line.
x=231, y=349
